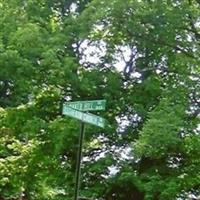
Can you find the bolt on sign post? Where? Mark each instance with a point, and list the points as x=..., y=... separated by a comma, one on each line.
x=75, y=109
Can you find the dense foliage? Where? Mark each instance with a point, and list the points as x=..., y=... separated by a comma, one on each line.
x=142, y=57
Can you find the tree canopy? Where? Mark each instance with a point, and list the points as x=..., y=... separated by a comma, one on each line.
x=142, y=57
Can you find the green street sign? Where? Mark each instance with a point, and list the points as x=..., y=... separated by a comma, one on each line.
x=87, y=105
x=85, y=117
x=74, y=109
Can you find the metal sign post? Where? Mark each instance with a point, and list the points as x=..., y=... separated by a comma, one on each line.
x=78, y=164
x=74, y=109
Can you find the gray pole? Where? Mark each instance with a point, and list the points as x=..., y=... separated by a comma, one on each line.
x=78, y=164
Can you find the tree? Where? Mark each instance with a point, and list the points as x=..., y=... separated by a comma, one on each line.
x=46, y=51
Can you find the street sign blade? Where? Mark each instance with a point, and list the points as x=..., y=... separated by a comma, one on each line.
x=87, y=105
x=85, y=117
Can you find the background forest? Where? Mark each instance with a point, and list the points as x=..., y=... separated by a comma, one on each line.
x=142, y=56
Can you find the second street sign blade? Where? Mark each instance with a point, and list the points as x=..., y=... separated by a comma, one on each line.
x=87, y=105
x=85, y=117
